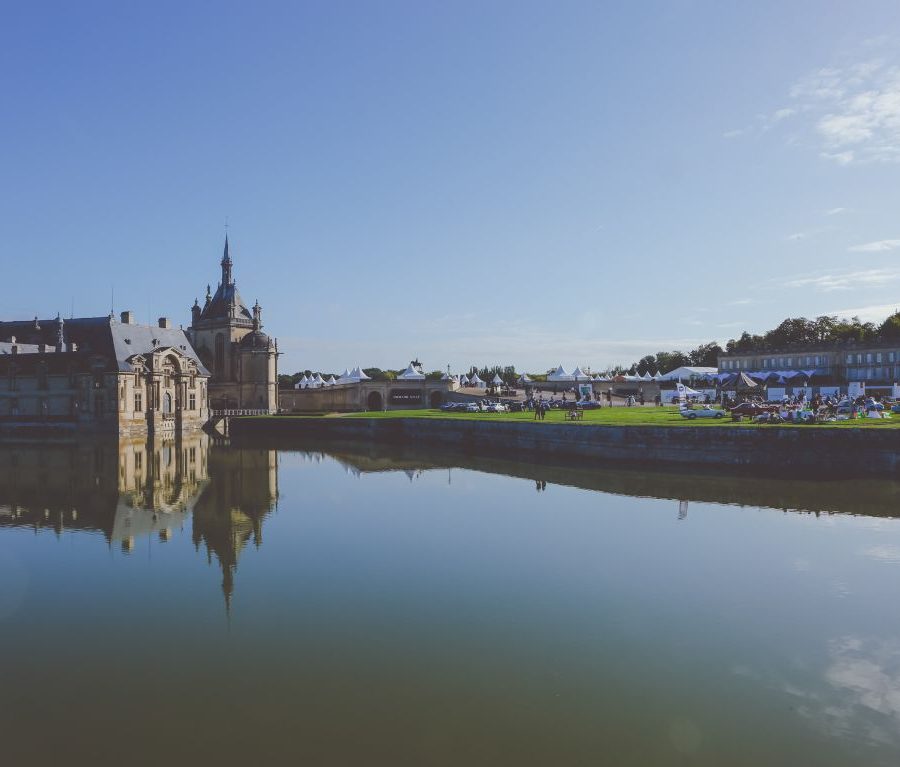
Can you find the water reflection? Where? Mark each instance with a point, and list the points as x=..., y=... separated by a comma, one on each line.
x=429, y=607
x=130, y=489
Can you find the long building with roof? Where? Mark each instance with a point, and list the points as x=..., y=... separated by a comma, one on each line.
x=105, y=373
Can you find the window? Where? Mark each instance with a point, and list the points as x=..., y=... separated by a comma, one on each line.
x=192, y=401
x=878, y=357
x=849, y=358
x=138, y=402
x=859, y=359
x=765, y=363
x=138, y=461
x=868, y=356
x=890, y=357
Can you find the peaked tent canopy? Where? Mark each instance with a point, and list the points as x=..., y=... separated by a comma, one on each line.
x=579, y=375
x=560, y=374
x=524, y=379
x=411, y=374
x=496, y=380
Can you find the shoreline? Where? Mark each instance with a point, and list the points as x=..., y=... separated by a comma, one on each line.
x=809, y=452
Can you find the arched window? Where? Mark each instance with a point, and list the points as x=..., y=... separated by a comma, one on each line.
x=220, y=356
x=167, y=403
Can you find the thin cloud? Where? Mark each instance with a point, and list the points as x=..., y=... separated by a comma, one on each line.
x=875, y=313
x=864, y=278
x=850, y=113
x=879, y=246
x=835, y=211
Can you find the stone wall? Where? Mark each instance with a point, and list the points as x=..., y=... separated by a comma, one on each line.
x=808, y=451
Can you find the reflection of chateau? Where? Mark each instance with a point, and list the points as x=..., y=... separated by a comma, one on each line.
x=130, y=489
x=122, y=489
x=230, y=512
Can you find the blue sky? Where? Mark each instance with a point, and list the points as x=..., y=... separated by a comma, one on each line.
x=471, y=183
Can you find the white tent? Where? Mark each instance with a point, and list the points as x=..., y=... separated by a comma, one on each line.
x=411, y=374
x=560, y=374
x=330, y=381
x=658, y=376
x=477, y=382
x=447, y=377
x=524, y=379
x=579, y=375
x=647, y=376
x=463, y=380
x=318, y=382
x=497, y=380
x=357, y=373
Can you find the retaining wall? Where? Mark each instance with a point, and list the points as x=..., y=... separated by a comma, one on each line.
x=808, y=451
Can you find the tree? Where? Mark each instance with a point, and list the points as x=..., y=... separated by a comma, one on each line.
x=889, y=330
x=706, y=355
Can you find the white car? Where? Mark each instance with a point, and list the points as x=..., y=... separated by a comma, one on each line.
x=472, y=407
x=496, y=407
x=704, y=412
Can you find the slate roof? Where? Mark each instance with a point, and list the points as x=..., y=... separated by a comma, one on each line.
x=103, y=336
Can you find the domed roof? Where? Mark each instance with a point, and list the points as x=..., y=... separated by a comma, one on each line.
x=256, y=340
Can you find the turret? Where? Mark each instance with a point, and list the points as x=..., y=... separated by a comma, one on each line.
x=60, y=334
x=257, y=316
x=195, y=312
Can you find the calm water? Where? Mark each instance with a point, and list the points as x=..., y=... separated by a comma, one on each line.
x=200, y=604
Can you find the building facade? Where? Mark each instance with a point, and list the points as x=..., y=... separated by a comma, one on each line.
x=877, y=364
x=101, y=373
x=229, y=340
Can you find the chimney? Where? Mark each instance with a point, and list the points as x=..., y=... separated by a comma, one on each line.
x=164, y=322
x=13, y=349
x=128, y=318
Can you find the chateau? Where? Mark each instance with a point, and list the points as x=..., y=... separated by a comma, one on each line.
x=116, y=375
x=228, y=338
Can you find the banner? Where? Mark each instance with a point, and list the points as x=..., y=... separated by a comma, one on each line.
x=856, y=389
x=585, y=390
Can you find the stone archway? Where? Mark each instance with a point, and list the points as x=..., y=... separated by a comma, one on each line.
x=436, y=399
x=375, y=401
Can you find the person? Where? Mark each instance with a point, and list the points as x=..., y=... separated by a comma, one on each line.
x=642, y=397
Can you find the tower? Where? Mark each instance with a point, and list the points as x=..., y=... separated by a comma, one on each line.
x=228, y=338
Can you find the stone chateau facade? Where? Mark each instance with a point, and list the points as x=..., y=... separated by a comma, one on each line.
x=229, y=340
x=116, y=375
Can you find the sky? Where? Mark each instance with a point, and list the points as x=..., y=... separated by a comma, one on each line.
x=468, y=183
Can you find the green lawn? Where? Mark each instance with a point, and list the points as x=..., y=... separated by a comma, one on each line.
x=618, y=416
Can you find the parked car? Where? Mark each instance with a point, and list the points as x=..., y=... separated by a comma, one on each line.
x=496, y=407
x=752, y=409
x=589, y=404
x=472, y=407
x=701, y=412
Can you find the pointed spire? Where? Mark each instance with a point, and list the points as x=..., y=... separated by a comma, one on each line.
x=257, y=315
x=226, y=264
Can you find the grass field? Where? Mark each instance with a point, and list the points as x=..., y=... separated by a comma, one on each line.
x=623, y=416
